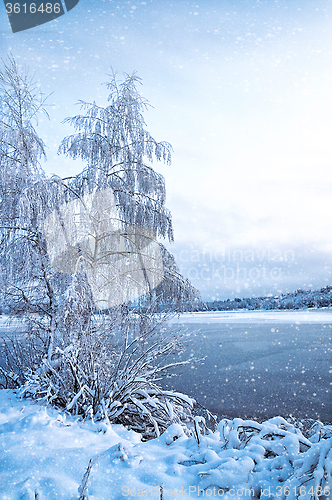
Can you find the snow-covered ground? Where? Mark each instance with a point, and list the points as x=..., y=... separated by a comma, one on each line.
x=44, y=455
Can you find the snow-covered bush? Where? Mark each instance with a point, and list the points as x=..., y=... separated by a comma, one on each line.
x=104, y=367
x=51, y=455
x=241, y=459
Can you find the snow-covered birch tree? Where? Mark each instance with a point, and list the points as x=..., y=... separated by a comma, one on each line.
x=21, y=102
x=90, y=242
x=119, y=153
x=29, y=287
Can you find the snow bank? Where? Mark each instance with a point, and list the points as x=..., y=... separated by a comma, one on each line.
x=46, y=455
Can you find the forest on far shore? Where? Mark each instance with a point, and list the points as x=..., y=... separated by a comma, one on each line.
x=300, y=299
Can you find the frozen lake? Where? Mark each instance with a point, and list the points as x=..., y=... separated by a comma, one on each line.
x=259, y=363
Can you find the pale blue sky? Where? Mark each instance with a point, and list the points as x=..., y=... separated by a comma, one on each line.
x=242, y=90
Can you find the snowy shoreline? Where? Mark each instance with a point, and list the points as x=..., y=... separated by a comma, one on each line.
x=323, y=316
x=45, y=454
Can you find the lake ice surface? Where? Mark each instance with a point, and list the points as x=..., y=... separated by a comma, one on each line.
x=258, y=363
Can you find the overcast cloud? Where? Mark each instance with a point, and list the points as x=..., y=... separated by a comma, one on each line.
x=242, y=90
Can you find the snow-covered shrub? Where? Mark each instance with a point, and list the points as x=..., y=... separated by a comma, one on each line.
x=117, y=385
x=241, y=459
x=105, y=367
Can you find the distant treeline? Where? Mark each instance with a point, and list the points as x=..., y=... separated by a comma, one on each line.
x=301, y=299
